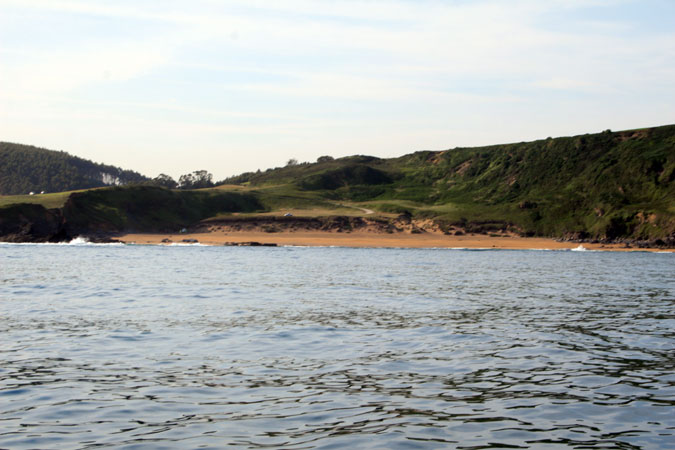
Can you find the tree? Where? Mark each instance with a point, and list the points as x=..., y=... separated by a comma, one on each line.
x=24, y=168
x=292, y=162
x=165, y=180
x=322, y=159
x=196, y=180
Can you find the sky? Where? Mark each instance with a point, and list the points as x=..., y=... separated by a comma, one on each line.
x=233, y=86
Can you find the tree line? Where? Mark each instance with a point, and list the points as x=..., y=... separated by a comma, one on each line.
x=25, y=168
x=198, y=179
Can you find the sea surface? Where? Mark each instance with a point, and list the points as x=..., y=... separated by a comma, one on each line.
x=300, y=348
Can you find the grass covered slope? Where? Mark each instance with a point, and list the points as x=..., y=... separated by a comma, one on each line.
x=24, y=169
x=606, y=185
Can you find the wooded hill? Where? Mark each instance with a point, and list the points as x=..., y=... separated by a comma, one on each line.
x=24, y=169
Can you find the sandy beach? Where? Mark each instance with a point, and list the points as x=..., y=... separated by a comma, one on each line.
x=366, y=239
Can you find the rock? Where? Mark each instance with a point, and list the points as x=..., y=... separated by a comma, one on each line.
x=190, y=241
x=405, y=218
x=250, y=244
x=526, y=204
x=32, y=223
x=102, y=239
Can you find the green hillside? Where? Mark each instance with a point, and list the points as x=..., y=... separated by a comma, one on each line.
x=609, y=184
x=25, y=169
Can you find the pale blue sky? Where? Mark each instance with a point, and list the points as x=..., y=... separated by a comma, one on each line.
x=233, y=86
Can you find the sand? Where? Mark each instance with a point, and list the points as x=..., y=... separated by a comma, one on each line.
x=368, y=240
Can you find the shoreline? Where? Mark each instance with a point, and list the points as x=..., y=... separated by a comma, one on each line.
x=362, y=239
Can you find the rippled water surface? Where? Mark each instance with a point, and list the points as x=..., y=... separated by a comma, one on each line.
x=299, y=348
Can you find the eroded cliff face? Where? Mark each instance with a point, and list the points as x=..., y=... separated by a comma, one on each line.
x=346, y=224
x=32, y=223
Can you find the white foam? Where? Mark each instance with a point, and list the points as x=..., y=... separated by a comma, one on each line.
x=82, y=241
x=580, y=248
x=78, y=241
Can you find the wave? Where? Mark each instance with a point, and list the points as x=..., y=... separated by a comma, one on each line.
x=84, y=242
x=78, y=241
x=461, y=249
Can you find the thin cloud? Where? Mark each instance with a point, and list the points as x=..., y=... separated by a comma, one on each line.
x=300, y=71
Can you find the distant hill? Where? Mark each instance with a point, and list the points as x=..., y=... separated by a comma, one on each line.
x=24, y=169
x=605, y=185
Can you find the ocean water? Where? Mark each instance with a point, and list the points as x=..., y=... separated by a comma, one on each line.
x=302, y=348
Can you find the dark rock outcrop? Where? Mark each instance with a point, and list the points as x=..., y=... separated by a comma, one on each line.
x=32, y=223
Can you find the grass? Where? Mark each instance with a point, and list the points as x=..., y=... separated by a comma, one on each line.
x=53, y=200
x=313, y=212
